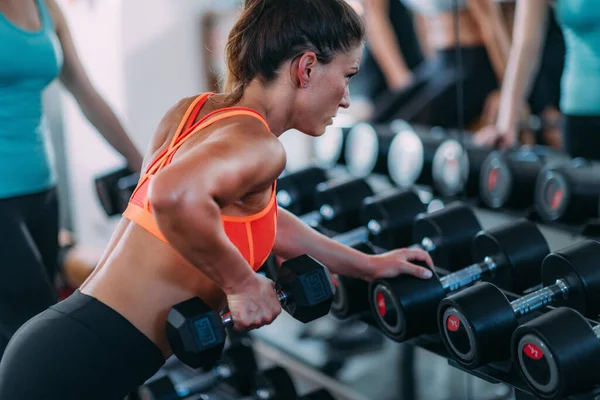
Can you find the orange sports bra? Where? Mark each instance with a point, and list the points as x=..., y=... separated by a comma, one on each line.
x=253, y=235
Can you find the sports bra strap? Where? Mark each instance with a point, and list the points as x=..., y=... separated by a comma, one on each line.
x=212, y=118
x=194, y=108
x=165, y=157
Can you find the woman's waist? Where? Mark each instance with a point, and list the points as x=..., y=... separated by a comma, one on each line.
x=442, y=33
x=143, y=286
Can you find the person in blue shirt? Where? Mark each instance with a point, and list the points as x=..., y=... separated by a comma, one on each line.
x=580, y=81
x=35, y=49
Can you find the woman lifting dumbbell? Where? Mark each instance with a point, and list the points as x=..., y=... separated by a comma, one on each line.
x=35, y=48
x=203, y=217
x=579, y=97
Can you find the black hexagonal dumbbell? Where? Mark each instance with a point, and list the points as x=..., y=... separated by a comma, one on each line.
x=477, y=323
x=558, y=354
x=511, y=255
x=197, y=333
x=236, y=368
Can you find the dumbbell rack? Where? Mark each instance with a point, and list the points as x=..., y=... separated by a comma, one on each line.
x=495, y=373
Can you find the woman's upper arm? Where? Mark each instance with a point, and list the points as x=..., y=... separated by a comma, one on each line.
x=73, y=75
x=224, y=168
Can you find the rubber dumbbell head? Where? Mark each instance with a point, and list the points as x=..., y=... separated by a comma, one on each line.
x=406, y=306
x=389, y=217
x=309, y=288
x=456, y=167
x=568, y=192
x=558, y=354
x=476, y=324
x=339, y=202
x=330, y=147
x=295, y=190
x=411, y=154
x=368, y=147
x=447, y=234
x=508, y=179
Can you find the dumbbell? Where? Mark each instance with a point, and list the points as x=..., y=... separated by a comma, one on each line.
x=338, y=203
x=329, y=149
x=510, y=255
x=476, y=324
x=114, y=188
x=367, y=147
x=398, y=150
x=197, y=334
x=568, y=192
x=295, y=190
x=445, y=234
x=456, y=166
x=507, y=179
x=558, y=354
x=236, y=368
x=411, y=155
x=387, y=220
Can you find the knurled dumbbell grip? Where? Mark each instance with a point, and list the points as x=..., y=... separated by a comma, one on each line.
x=461, y=278
x=540, y=298
x=228, y=320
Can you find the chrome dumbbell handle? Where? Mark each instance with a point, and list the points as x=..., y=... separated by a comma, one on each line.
x=540, y=298
x=465, y=276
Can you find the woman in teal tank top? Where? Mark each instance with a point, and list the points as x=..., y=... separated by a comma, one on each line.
x=35, y=49
x=579, y=21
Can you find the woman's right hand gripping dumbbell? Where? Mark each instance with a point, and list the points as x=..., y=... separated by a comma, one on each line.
x=253, y=303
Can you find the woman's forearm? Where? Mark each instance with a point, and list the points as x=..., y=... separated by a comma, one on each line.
x=295, y=238
x=101, y=116
x=524, y=61
x=384, y=45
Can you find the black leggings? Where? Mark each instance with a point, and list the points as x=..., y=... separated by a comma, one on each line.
x=78, y=349
x=581, y=136
x=28, y=254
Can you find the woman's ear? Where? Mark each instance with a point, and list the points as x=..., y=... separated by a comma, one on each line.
x=305, y=66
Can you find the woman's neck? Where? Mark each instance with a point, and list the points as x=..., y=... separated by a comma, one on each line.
x=273, y=102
